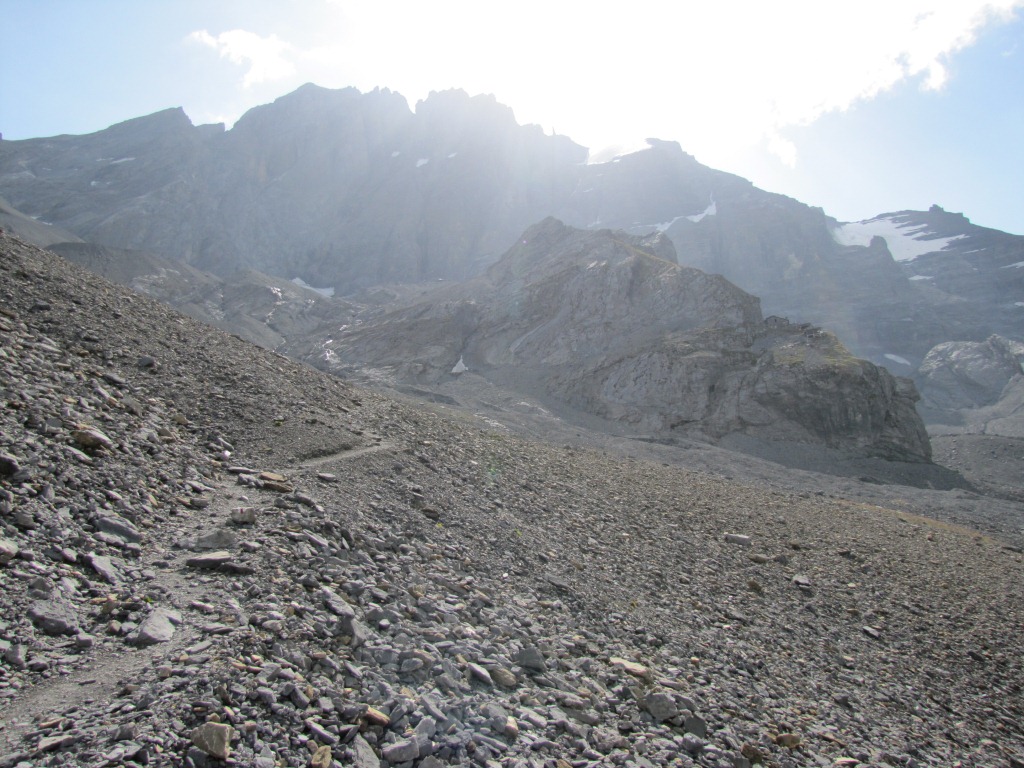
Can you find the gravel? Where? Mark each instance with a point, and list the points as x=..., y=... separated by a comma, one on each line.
x=408, y=588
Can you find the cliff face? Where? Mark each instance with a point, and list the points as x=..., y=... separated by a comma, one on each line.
x=603, y=323
x=350, y=190
x=337, y=187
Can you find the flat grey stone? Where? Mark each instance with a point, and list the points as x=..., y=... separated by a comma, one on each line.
x=115, y=525
x=211, y=561
x=365, y=757
x=54, y=617
x=104, y=568
x=158, y=627
x=401, y=751
x=661, y=706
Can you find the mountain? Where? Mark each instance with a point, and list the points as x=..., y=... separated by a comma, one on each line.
x=338, y=188
x=37, y=232
x=351, y=191
x=607, y=324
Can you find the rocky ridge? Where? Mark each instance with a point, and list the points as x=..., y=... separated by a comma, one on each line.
x=212, y=555
x=609, y=324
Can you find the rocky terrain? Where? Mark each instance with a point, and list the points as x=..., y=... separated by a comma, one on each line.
x=609, y=325
x=271, y=312
x=211, y=555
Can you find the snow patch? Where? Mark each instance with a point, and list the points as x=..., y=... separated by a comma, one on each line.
x=1019, y=264
x=906, y=241
x=122, y=160
x=711, y=210
x=613, y=153
x=460, y=367
x=898, y=359
x=396, y=153
x=328, y=292
x=453, y=154
x=922, y=277
x=422, y=161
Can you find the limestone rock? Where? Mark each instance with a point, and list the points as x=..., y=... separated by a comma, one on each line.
x=54, y=617
x=214, y=739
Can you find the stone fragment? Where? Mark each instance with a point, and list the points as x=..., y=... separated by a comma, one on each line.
x=54, y=617
x=530, y=658
x=8, y=551
x=631, y=667
x=17, y=656
x=219, y=539
x=91, y=438
x=214, y=739
x=339, y=607
x=871, y=632
x=365, y=757
x=661, y=706
x=104, y=568
x=211, y=561
x=504, y=677
x=322, y=758
x=696, y=725
x=53, y=743
x=479, y=673
x=401, y=751
x=158, y=627
x=375, y=717
x=115, y=525
x=737, y=538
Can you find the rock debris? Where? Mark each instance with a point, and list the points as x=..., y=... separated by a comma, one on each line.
x=220, y=557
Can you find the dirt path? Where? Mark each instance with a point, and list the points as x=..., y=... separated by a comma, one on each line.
x=353, y=453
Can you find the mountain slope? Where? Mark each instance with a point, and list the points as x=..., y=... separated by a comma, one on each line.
x=210, y=551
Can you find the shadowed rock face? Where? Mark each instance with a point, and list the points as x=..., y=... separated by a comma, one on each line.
x=597, y=323
x=352, y=190
x=333, y=186
x=969, y=374
x=974, y=387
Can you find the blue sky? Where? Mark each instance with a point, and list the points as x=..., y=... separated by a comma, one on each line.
x=858, y=108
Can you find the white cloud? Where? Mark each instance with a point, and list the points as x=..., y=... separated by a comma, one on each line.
x=719, y=77
x=267, y=58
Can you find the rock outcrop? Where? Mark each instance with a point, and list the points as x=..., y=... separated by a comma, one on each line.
x=974, y=387
x=966, y=374
x=603, y=323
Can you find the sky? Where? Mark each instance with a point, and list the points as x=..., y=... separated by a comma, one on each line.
x=859, y=108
